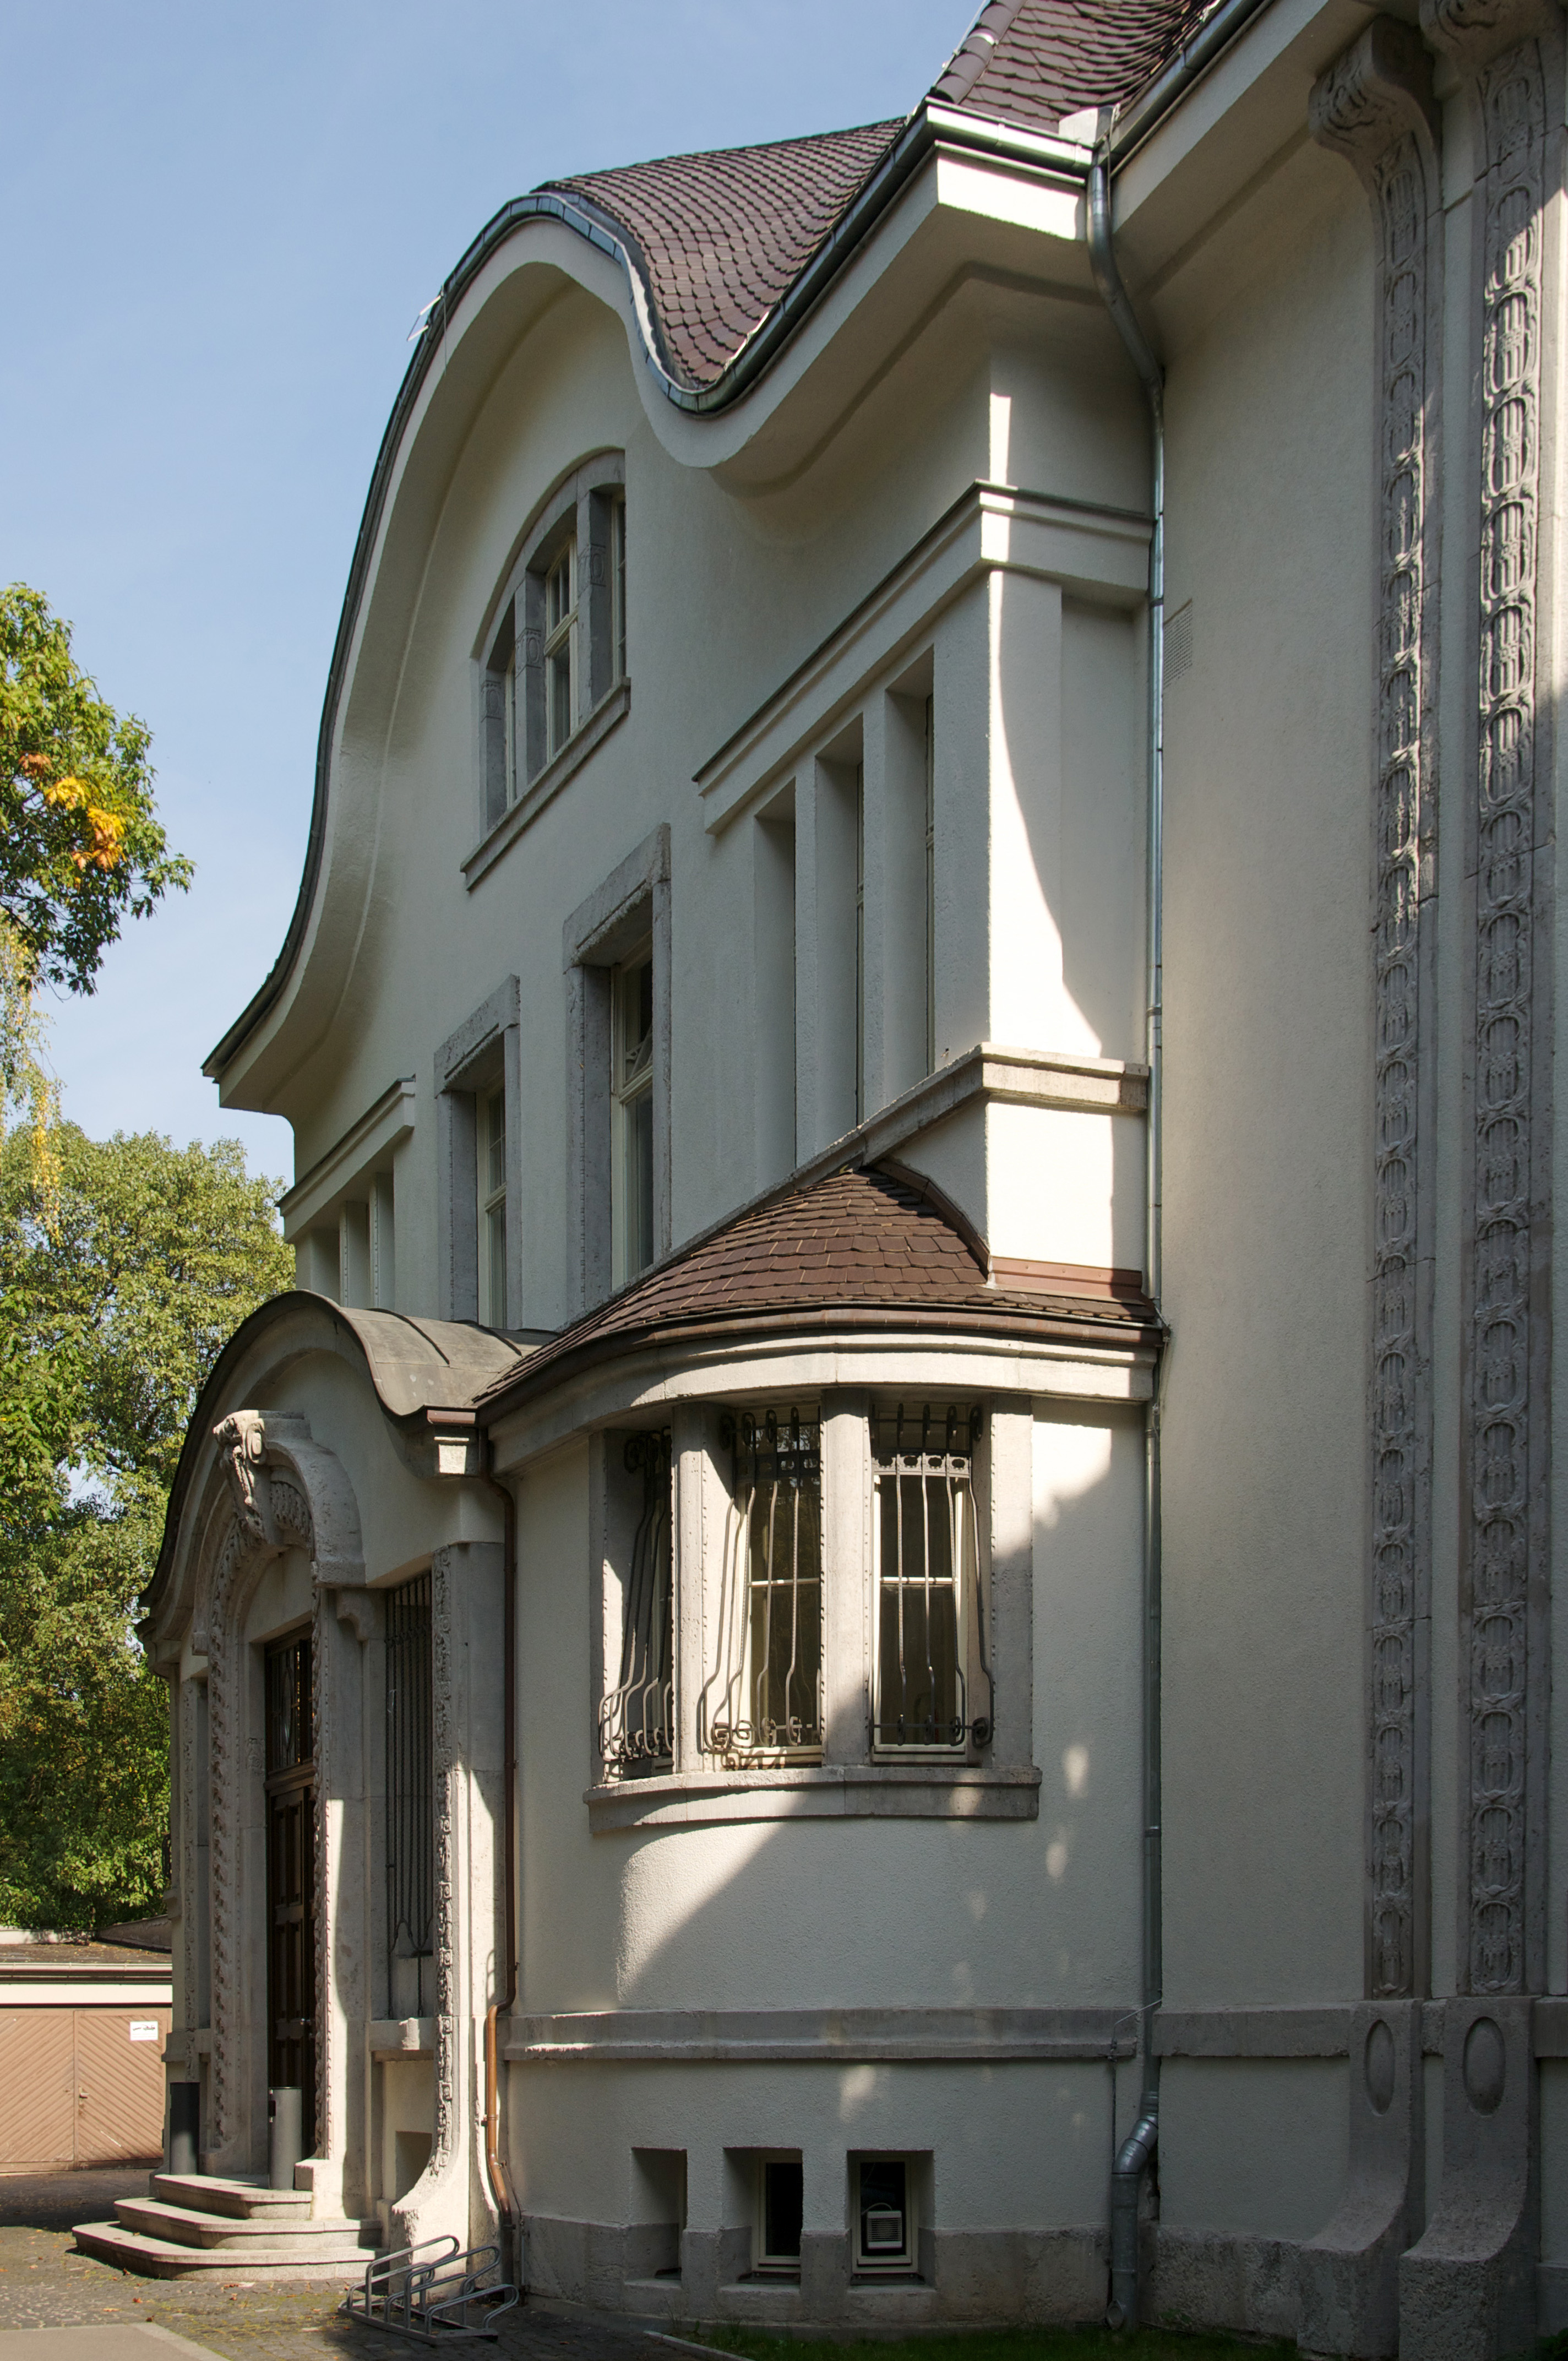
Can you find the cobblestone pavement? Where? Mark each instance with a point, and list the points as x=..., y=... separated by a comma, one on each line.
x=44, y=2283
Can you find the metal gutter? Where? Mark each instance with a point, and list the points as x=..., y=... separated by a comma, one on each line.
x=1138, y=2153
x=931, y=123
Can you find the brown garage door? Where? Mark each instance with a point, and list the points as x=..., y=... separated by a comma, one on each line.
x=82, y=2086
x=38, y=2086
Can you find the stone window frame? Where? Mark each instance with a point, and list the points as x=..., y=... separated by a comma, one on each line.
x=631, y=907
x=853, y=1778
x=582, y=505
x=487, y=1047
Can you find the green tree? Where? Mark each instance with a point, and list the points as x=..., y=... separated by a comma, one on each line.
x=81, y=846
x=112, y=1314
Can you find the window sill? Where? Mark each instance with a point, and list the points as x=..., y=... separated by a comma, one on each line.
x=549, y=782
x=888, y=1791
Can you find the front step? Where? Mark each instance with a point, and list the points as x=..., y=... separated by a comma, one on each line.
x=181, y=2225
x=160, y=2258
x=251, y=2200
x=193, y=2223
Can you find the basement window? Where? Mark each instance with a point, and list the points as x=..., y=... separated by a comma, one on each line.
x=884, y=2239
x=781, y=2209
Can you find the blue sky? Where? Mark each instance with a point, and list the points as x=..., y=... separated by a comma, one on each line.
x=222, y=222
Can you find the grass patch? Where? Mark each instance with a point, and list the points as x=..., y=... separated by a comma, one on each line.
x=990, y=2344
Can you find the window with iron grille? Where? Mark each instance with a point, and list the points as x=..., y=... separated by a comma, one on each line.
x=636, y=1720
x=933, y=1688
x=411, y=1800
x=764, y=1696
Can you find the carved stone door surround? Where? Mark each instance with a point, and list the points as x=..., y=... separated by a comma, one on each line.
x=274, y=1489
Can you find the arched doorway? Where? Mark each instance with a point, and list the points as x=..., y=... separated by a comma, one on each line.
x=291, y=1875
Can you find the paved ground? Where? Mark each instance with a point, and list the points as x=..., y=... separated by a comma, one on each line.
x=45, y=2285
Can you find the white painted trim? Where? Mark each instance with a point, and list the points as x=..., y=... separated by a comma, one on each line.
x=1099, y=554
x=78, y=1993
x=817, y=1791
x=365, y=1146
x=739, y=1368
x=836, y=2035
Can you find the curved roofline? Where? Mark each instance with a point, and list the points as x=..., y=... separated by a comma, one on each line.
x=408, y=1387
x=930, y=120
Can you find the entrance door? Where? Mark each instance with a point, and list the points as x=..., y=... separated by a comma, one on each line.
x=291, y=1875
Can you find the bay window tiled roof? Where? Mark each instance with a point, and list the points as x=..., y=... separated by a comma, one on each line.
x=1033, y=63
x=869, y=1247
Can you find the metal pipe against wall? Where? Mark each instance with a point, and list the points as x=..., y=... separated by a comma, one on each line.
x=495, y=2165
x=1137, y=2153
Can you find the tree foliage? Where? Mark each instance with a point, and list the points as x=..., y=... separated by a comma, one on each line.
x=80, y=847
x=112, y=1316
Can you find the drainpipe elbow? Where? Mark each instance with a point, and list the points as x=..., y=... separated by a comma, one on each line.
x=1133, y=2161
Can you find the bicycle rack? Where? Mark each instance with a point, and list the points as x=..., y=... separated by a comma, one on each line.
x=431, y=2299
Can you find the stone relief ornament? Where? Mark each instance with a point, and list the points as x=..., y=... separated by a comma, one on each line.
x=1504, y=1536
x=1374, y=107
x=243, y=1441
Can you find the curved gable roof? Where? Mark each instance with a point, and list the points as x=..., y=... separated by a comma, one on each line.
x=721, y=237
x=726, y=253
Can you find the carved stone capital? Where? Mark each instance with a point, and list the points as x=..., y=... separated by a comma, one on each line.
x=1374, y=92
x=356, y=1610
x=242, y=1439
x=1472, y=32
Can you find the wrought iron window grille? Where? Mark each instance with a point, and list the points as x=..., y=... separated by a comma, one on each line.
x=637, y=1718
x=411, y=1801
x=930, y=1611
x=762, y=1698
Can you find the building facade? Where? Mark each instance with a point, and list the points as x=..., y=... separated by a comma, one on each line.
x=875, y=1642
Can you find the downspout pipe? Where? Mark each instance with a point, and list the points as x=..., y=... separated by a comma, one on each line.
x=1139, y=2151
x=496, y=2170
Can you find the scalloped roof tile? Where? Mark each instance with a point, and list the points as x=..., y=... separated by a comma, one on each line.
x=1033, y=62
x=721, y=237
x=865, y=1241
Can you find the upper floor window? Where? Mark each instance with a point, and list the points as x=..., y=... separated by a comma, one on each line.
x=631, y=1094
x=556, y=650
x=561, y=649
x=492, y=1177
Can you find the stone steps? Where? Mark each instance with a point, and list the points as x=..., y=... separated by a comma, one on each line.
x=191, y=2223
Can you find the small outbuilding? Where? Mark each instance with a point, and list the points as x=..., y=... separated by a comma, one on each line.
x=82, y=2029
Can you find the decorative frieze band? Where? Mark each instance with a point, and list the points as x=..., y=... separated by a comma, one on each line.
x=1374, y=107
x=1496, y=44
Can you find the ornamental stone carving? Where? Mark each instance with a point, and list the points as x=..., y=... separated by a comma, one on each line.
x=1498, y=47
x=1374, y=107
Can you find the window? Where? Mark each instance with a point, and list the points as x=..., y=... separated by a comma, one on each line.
x=631, y=1099
x=764, y=1696
x=411, y=1839
x=635, y=1720
x=560, y=649
x=883, y=2227
x=780, y=2211
x=554, y=649
x=490, y=1111
x=925, y=1558
x=860, y=943
x=930, y=886
x=617, y=585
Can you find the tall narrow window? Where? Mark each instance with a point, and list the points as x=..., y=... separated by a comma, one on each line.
x=411, y=1824
x=929, y=1623
x=560, y=648
x=491, y=1113
x=509, y=723
x=636, y=1720
x=860, y=943
x=764, y=1696
x=930, y=887
x=617, y=585
x=631, y=1050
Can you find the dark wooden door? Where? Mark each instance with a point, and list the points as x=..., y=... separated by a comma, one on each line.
x=291, y=1875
